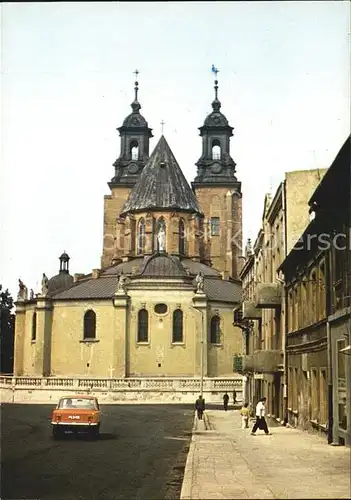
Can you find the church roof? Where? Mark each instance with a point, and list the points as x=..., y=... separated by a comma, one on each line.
x=161, y=185
x=154, y=267
x=163, y=265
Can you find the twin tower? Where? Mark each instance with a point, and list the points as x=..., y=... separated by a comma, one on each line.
x=150, y=192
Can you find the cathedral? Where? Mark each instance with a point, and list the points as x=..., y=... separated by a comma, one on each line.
x=161, y=304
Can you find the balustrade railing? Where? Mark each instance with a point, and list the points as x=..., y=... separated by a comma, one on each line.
x=132, y=384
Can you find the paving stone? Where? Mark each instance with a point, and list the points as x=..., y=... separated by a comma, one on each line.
x=227, y=462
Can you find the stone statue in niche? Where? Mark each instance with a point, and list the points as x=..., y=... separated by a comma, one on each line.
x=200, y=282
x=161, y=238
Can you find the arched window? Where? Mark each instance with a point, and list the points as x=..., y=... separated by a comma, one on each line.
x=313, y=292
x=215, y=330
x=177, y=333
x=143, y=326
x=134, y=150
x=34, y=326
x=216, y=150
x=89, y=325
x=141, y=237
x=160, y=227
x=181, y=237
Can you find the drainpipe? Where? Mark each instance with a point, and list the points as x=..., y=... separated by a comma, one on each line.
x=286, y=313
x=329, y=349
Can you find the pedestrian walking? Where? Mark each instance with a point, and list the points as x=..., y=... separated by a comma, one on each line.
x=234, y=396
x=260, y=417
x=200, y=407
x=245, y=413
x=225, y=401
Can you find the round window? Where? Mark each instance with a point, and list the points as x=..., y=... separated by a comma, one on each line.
x=160, y=308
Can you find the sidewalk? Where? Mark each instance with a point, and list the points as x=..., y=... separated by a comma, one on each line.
x=225, y=461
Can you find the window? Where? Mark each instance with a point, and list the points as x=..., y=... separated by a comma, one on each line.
x=322, y=295
x=34, y=326
x=134, y=150
x=304, y=303
x=247, y=342
x=216, y=150
x=296, y=308
x=215, y=330
x=177, y=334
x=215, y=226
x=143, y=325
x=160, y=308
x=313, y=297
x=141, y=237
x=181, y=237
x=90, y=325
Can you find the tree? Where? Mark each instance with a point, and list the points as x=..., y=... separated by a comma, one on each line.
x=7, y=332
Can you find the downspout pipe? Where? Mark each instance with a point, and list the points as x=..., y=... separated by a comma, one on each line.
x=286, y=315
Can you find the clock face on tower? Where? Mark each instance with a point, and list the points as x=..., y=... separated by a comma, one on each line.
x=133, y=168
x=216, y=168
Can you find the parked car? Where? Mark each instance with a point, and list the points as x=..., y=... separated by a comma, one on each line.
x=76, y=414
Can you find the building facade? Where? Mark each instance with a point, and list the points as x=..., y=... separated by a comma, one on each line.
x=318, y=284
x=161, y=303
x=284, y=218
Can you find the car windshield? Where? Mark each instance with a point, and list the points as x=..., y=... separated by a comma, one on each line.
x=85, y=404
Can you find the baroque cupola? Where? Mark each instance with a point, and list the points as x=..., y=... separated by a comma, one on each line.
x=63, y=279
x=215, y=164
x=135, y=142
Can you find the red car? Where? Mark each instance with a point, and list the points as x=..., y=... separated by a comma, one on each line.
x=76, y=414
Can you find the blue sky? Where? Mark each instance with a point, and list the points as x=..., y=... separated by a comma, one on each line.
x=67, y=83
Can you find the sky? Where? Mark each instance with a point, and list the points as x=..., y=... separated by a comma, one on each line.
x=67, y=83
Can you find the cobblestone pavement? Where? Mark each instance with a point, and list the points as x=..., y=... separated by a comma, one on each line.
x=225, y=461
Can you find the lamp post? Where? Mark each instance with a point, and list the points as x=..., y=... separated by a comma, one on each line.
x=202, y=354
x=202, y=360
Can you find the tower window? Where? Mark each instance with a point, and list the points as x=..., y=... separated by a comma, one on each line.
x=34, y=326
x=143, y=326
x=215, y=330
x=177, y=333
x=181, y=237
x=134, y=150
x=89, y=325
x=216, y=150
x=141, y=237
x=215, y=226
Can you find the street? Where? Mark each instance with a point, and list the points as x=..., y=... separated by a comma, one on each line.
x=141, y=453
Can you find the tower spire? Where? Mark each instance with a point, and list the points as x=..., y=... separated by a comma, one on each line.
x=135, y=104
x=216, y=105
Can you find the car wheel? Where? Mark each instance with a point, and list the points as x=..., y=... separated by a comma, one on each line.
x=56, y=433
x=95, y=431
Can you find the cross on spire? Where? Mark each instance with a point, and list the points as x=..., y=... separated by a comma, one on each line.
x=136, y=73
x=162, y=124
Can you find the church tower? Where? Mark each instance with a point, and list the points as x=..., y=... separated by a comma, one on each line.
x=219, y=194
x=134, y=153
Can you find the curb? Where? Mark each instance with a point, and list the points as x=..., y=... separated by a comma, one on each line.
x=187, y=485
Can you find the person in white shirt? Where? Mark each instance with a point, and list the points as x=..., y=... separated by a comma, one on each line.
x=260, y=417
